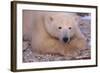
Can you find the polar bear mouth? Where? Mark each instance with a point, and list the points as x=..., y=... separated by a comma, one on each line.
x=65, y=39
x=68, y=40
x=71, y=38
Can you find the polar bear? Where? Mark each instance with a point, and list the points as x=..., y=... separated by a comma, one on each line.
x=55, y=33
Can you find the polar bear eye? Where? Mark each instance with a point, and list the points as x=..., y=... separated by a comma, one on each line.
x=59, y=27
x=70, y=27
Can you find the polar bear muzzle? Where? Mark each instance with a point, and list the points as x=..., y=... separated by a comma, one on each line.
x=65, y=39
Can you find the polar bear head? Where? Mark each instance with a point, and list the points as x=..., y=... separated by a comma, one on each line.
x=62, y=26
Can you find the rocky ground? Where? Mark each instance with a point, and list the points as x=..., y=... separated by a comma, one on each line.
x=29, y=56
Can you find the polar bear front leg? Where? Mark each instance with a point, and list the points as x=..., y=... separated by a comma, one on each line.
x=79, y=43
x=75, y=46
x=51, y=46
x=79, y=40
x=71, y=50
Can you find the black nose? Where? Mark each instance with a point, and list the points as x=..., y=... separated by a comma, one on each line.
x=65, y=39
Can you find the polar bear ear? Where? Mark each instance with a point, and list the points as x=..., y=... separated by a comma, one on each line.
x=51, y=18
x=48, y=19
x=77, y=18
